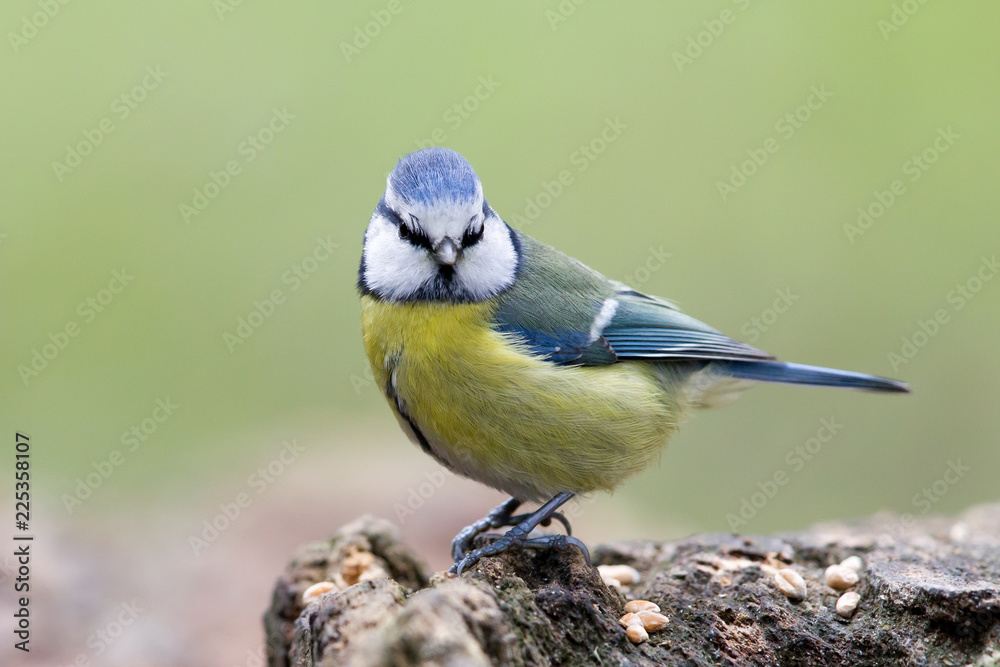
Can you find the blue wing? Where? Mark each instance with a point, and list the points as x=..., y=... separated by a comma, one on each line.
x=566, y=347
x=645, y=327
x=568, y=314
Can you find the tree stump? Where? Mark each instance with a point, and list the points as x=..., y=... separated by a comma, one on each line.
x=929, y=595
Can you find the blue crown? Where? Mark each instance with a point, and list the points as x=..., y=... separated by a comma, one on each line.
x=434, y=174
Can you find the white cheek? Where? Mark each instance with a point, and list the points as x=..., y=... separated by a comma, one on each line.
x=393, y=267
x=489, y=266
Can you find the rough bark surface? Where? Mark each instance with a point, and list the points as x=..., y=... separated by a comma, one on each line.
x=930, y=595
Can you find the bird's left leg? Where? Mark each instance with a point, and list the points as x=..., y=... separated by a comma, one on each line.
x=517, y=537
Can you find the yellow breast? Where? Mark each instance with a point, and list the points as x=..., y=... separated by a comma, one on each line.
x=499, y=415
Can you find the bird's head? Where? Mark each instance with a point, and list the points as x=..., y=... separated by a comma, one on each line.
x=433, y=237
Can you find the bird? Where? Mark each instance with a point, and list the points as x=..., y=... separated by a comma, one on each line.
x=522, y=368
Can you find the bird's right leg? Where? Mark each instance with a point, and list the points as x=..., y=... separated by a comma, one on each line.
x=498, y=518
x=501, y=517
x=517, y=537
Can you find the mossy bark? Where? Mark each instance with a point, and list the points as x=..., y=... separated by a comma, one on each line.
x=930, y=595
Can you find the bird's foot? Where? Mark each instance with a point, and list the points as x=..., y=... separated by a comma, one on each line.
x=501, y=516
x=513, y=540
x=516, y=537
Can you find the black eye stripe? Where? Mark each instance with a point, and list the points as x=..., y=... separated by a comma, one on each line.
x=471, y=238
x=416, y=238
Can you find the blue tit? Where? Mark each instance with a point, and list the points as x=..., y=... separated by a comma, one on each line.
x=517, y=366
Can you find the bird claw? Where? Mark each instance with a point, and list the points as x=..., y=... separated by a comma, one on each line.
x=516, y=537
x=499, y=517
x=509, y=543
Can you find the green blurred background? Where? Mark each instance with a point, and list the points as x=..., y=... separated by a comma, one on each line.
x=519, y=89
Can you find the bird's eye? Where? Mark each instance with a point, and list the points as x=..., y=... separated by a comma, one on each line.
x=414, y=236
x=472, y=236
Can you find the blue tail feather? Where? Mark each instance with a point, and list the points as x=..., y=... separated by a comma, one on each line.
x=787, y=373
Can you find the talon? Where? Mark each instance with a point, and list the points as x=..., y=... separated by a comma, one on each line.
x=516, y=537
x=461, y=566
x=581, y=546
